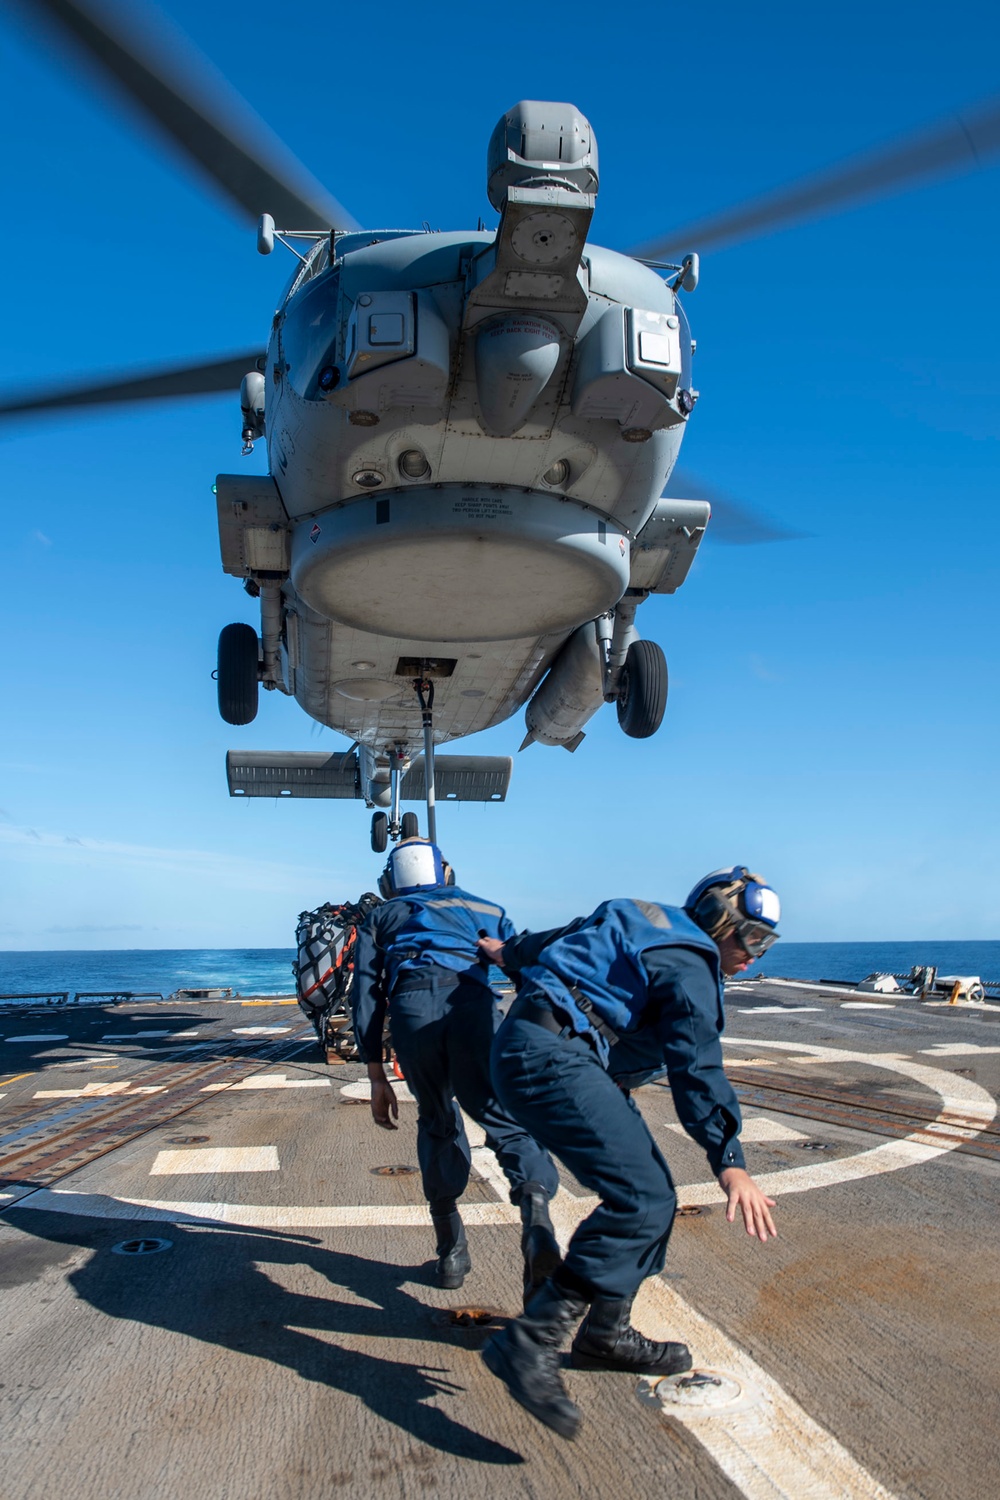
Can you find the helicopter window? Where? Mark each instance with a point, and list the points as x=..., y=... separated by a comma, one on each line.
x=309, y=333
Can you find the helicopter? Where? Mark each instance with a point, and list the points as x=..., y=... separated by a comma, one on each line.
x=469, y=439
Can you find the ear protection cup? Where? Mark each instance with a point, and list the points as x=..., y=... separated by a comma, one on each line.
x=736, y=900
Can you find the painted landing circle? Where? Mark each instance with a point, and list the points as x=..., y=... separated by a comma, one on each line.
x=957, y=1096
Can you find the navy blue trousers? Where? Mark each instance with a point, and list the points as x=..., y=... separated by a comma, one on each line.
x=442, y=1030
x=556, y=1087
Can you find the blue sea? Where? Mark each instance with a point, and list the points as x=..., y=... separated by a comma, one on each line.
x=268, y=971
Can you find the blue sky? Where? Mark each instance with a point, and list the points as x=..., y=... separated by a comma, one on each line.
x=833, y=717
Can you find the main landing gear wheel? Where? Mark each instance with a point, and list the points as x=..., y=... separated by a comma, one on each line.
x=380, y=833
x=237, y=675
x=642, y=690
x=409, y=826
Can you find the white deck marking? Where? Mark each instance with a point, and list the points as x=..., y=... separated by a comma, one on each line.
x=215, y=1159
x=363, y=1090
x=99, y=1091
x=42, y=1036
x=262, y=1216
x=963, y=1098
x=779, y=1010
x=259, y=1030
x=955, y=1049
x=134, y=1036
x=771, y=1450
x=865, y=1005
x=269, y=1081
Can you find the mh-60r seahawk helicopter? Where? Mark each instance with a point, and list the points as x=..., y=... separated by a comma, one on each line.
x=469, y=436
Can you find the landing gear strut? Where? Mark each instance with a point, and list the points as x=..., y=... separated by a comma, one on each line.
x=406, y=826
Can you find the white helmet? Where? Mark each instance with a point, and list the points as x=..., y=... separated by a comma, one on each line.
x=414, y=865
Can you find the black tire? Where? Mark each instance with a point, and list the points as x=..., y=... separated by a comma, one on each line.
x=237, y=676
x=380, y=833
x=409, y=826
x=642, y=690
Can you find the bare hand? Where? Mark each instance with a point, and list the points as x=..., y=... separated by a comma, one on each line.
x=384, y=1104
x=492, y=949
x=744, y=1194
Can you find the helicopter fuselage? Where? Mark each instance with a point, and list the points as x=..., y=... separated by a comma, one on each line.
x=462, y=475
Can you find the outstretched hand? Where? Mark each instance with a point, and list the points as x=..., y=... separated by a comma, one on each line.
x=384, y=1104
x=744, y=1194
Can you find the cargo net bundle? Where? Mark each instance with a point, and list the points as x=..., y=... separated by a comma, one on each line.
x=324, y=971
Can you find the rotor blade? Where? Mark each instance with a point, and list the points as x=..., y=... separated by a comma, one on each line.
x=961, y=143
x=215, y=129
x=152, y=385
x=732, y=524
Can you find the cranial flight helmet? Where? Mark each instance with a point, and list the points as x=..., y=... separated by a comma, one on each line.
x=735, y=900
x=414, y=865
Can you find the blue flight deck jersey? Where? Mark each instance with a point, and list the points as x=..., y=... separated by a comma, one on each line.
x=426, y=930
x=653, y=975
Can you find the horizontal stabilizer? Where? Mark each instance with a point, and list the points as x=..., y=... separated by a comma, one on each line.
x=292, y=773
x=316, y=773
x=460, y=778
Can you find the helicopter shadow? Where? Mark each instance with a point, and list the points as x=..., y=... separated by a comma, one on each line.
x=213, y=1289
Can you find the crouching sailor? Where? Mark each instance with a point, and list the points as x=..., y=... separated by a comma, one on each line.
x=417, y=956
x=607, y=1003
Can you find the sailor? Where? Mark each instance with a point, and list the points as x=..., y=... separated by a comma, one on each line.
x=417, y=956
x=606, y=1003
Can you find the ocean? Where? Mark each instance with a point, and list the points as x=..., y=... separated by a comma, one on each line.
x=268, y=971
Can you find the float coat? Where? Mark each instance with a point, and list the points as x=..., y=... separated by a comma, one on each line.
x=416, y=958
x=633, y=989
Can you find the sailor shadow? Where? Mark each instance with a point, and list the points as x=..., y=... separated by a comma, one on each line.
x=211, y=1288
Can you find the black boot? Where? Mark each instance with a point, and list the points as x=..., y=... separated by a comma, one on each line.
x=607, y=1341
x=453, y=1263
x=539, y=1246
x=526, y=1357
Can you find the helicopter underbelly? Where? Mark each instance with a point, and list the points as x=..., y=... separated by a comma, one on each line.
x=460, y=562
x=361, y=683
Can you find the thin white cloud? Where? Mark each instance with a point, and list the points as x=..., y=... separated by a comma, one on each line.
x=39, y=536
x=236, y=870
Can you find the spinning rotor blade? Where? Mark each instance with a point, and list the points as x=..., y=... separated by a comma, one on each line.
x=733, y=525
x=219, y=134
x=961, y=143
x=174, y=380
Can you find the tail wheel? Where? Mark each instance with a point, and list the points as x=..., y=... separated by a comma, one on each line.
x=380, y=833
x=409, y=826
x=239, y=651
x=642, y=690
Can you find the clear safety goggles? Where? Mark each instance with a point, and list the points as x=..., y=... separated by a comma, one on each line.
x=755, y=937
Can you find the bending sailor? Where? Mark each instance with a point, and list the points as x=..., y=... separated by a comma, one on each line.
x=606, y=1003
x=417, y=956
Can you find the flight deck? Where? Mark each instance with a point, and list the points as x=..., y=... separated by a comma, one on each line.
x=217, y=1276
